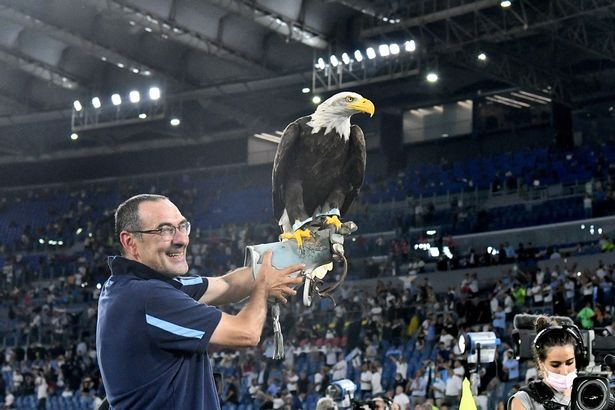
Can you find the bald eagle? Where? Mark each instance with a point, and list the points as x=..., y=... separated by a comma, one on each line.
x=319, y=165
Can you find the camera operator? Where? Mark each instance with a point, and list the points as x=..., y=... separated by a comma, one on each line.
x=554, y=354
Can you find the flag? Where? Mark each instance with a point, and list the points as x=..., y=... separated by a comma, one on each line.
x=467, y=401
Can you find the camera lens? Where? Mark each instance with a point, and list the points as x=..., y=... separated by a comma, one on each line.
x=593, y=394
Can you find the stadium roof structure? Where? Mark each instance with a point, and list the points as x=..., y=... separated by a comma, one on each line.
x=233, y=68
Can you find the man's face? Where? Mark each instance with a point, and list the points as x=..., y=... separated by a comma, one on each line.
x=165, y=256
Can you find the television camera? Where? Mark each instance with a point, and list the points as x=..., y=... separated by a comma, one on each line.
x=342, y=393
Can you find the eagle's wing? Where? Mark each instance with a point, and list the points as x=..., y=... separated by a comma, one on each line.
x=354, y=169
x=283, y=157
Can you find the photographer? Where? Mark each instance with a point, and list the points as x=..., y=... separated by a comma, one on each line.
x=554, y=354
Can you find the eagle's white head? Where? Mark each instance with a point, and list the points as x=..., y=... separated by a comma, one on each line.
x=334, y=113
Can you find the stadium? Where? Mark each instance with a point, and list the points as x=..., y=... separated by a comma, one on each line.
x=485, y=192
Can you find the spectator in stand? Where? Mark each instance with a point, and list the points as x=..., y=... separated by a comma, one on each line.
x=499, y=320
x=453, y=388
x=376, y=379
x=401, y=398
x=510, y=366
x=231, y=394
x=437, y=388
x=41, y=389
x=418, y=387
x=366, y=381
x=340, y=369
x=586, y=316
x=588, y=205
x=291, y=381
x=536, y=293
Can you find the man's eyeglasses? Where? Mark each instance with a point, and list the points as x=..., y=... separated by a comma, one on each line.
x=168, y=231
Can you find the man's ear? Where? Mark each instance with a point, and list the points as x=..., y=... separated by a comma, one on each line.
x=129, y=244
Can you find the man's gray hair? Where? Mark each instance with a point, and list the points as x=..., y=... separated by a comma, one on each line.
x=127, y=213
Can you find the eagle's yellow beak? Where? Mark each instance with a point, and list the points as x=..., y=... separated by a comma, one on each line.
x=364, y=105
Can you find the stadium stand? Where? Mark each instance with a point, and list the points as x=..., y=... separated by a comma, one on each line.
x=53, y=267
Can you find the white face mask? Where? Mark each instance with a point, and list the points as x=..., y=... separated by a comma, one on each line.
x=560, y=382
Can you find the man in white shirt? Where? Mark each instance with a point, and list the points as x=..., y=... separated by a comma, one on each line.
x=453, y=388
x=339, y=369
x=419, y=387
x=366, y=382
x=291, y=381
x=510, y=365
x=401, y=398
x=438, y=387
x=446, y=338
x=376, y=379
x=536, y=291
x=41, y=390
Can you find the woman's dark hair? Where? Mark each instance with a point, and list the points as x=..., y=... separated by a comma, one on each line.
x=556, y=336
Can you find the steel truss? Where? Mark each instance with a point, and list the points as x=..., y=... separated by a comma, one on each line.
x=452, y=31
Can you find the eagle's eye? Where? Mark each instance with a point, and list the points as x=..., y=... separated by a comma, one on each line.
x=349, y=99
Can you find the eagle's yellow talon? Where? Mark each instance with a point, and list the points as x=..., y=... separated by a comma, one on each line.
x=298, y=236
x=333, y=220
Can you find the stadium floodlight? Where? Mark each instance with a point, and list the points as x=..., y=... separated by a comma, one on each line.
x=96, y=102
x=345, y=58
x=116, y=99
x=154, y=93
x=358, y=56
x=333, y=60
x=121, y=65
x=134, y=96
x=394, y=48
x=432, y=77
x=175, y=122
x=410, y=46
x=505, y=4
x=143, y=115
x=384, y=51
x=321, y=64
x=482, y=57
x=316, y=99
x=305, y=90
x=371, y=53
x=135, y=70
x=77, y=105
x=74, y=136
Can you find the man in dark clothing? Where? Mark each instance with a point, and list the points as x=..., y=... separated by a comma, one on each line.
x=155, y=323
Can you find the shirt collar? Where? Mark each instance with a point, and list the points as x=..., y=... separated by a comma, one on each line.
x=120, y=265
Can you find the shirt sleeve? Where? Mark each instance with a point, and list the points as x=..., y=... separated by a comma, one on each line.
x=178, y=322
x=525, y=400
x=194, y=286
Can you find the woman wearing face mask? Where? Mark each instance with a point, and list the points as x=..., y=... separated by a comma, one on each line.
x=554, y=355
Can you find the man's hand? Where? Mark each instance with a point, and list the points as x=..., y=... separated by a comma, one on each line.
x=278, y=281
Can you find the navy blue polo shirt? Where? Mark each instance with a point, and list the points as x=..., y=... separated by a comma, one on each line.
x=151, y=340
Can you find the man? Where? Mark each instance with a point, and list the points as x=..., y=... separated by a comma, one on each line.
x=154, y=325
x=401, y=398
x=452, y=392
x=340, y=369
